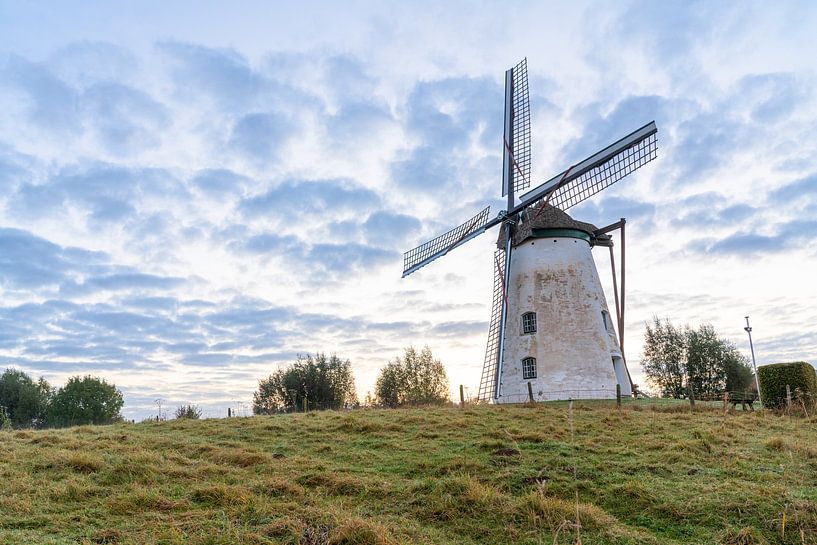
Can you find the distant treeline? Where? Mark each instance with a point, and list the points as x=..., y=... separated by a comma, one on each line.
x=311, y=382
x=326, y=382
x=25, y=403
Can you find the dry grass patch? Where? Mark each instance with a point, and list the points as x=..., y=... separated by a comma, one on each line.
x=239, y=457
x=453, y=496
x=143, y=500
x=339, y=484
x=285, y=530
x=743, y=536
x=279, y=487
x=220, y=495
x=782, y=444
x=553, y=513
x=82, y=462
x=354, y=424
x=359, y=532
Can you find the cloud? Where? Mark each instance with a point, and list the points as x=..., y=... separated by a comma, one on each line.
x=124, y=119
x=795, y=192
x=460, y=328
x=14, y=170
x=122, y=282
x=226, y=78
x=603, y=127
x=328, y=198
x=387, y=229
x=30, y=262
x=224, y=74
x=341, y=259
x=82, y=64
x=260, y=136
x=787, y=235
x=105, y=192
x=605, y=209
x=219, y=182
x=772, y=97
x=447, y=118
x=51, y=103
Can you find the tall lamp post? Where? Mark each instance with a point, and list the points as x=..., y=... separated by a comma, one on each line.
x=748, y=329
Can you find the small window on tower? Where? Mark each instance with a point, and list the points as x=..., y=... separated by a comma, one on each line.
x=528, y=323
x=529, y=368
x=608, y=323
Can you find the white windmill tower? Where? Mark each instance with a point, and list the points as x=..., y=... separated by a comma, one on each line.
x=550, y=335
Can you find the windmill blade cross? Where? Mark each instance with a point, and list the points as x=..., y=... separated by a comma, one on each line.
x=427, y=252
x=600, y=170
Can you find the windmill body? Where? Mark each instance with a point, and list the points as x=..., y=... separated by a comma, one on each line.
x=560, y=336
x=550, y=331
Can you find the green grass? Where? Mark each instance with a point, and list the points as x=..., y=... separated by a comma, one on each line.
x=489, y=475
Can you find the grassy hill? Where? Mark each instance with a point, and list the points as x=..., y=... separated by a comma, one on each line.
x=488, y=475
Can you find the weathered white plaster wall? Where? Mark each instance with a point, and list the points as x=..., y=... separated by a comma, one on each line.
x=557, y=279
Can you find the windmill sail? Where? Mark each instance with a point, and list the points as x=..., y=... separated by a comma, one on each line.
x=598, y=171
x=437, y=247
x=516, y=144
x=487, y=385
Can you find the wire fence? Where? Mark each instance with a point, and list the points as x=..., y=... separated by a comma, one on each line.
x=738, y=400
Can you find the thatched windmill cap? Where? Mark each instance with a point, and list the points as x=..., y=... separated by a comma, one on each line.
x=547, y=218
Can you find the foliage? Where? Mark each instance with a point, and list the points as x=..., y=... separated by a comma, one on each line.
x=325, y=382
x=676, y=358
x=85, y=400
x=192, y=412
x=25, y=401
x=664, y=475
x=773, y=379
x=739, y=375
x=664, y=357
x=416, y=379
x=5, y=421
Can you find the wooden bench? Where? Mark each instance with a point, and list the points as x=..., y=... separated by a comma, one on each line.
x=744, y=398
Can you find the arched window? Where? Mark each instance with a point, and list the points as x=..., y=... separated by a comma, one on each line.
x=528, y=323
x=529, y=368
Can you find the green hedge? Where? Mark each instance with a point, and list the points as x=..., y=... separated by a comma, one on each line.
x=774, y=378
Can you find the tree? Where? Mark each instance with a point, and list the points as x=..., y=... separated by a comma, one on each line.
x=676, y=358
x=190, y=412
x=739, y=375
x=390, y=388
x=325, y=382
x=25, y=401
x=664, y=357
x=416, y=379
x=86, y=400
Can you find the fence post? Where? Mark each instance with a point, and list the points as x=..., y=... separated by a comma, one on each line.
x=306, y=406
x=229, y=412
x=618, y=395
x=530, y=392
x=788, y=397
x=691, y=392
x=462, y=396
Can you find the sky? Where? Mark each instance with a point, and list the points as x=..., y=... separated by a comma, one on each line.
x=194, y=193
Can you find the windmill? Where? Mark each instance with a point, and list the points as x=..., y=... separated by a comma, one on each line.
x=550, y=330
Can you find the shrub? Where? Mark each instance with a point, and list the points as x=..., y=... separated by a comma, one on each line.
x=190, y=412
x=25, y=400
x=416, y=379
x=324, y=382
x=773, y=379
x=86, y=400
